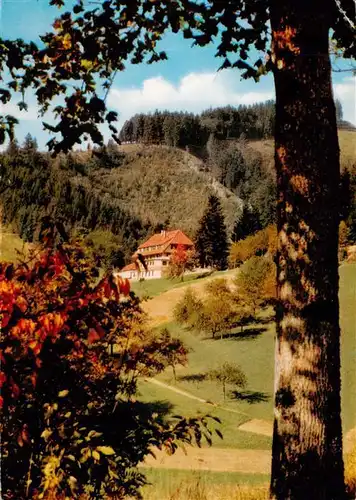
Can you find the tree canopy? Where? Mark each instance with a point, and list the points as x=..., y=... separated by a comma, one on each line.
x=77, y=60
x=72, y=349
x=71, y=74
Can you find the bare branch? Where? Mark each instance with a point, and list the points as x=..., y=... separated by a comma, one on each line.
x=344, y=14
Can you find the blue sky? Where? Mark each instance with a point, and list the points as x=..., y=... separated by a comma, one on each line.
x=188, y=80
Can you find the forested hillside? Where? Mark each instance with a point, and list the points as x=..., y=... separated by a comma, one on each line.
x=116, y=196
x=186, y=129
x=126, y=192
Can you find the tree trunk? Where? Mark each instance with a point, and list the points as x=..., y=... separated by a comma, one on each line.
x=307, y=441
x=174, y=372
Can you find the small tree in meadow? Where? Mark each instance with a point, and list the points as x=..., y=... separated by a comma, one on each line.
x=176, y=352
x=228, y=374
x=188, y=309
x=255, y=282
x=217, y=315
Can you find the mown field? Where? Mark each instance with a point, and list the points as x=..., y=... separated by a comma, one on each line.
x=11, y=246
x=254, y=352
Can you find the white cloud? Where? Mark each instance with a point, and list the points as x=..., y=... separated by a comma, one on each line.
x=13, y=110
x=194, y=92
x=198, y=91
x=346, y=92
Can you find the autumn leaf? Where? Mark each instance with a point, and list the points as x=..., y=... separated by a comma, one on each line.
x=63, y=394
x=93, y=336
x=46, y=434
x=106, y=450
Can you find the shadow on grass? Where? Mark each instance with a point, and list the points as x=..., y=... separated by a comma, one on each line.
x=251, y=397
x=195, y=377
x=161, y=408
x=265, y=320
x=248, y=334
x=204, y=275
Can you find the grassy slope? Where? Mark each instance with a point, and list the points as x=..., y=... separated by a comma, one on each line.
x=347, y=141
x=201, y=485
x=348, y=343
x=156, y=183
x=10, y=245
x=153, y=288
x=255, y=355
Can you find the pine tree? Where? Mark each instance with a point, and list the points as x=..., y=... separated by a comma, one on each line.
x=211, y=239
x=246, y=225
x=30, y=143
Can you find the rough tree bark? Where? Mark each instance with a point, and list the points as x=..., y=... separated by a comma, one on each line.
x=307, y=442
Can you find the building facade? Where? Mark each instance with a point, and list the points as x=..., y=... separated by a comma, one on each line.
x=156, y=252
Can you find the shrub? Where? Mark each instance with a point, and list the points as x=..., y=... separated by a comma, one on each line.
x=350, y=472
x=188, y=309
x=256, y=282
x=216, y=316
x=72, y=348
x=259, y=244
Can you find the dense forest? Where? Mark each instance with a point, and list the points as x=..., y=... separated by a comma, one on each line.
x=115, y=196
x=181, y=129
x=37, y=186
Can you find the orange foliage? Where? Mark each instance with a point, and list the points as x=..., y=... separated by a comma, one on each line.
x=260, y=243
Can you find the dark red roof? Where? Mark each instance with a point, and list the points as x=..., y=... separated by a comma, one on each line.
x=166, y=238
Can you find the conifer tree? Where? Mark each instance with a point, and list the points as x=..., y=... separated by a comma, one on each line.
x=248, y=224
x=211, y=239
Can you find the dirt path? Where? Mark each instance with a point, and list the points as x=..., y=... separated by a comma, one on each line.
x=191, y=396
x=213, y=459
x=258, y=426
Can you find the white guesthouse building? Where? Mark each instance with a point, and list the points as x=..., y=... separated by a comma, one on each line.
x=156, y=252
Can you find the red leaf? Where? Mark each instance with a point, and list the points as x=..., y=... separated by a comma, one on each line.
x=35, y=346
x=33, y=378
x=15, y=390
x=2, y=378
x=93, y=336
x=124, y=286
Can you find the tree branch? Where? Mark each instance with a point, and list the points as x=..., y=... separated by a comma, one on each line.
x=344, y=15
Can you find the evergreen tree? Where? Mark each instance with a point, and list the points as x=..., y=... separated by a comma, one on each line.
x=246, y=225
x=339, y=112
x=352, y=225
x=30, y=143
x=211, y=239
